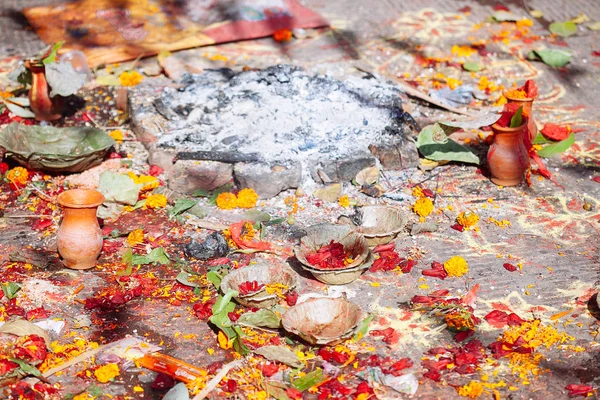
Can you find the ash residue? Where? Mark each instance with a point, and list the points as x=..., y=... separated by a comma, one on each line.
x=281, y=113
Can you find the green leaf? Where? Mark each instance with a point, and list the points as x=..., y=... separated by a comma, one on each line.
x=473, y=66
x=10, y=289
x=552, y=57
x=125, y=272
x=363, y=328
x=276, y=221
x=257, y=216
x=127, y=257
x=541, y=139
x=277, y=390
x=557, y=148
x=186, y=278
x=201, y=193
x=517, y=119
x=309, y=380
x=433, y=144
x=238, y=344
x=139, y=204
x=223, y=301
x=262, y=318
x=52, y=56
x=181, y=205
x=158, y=256
x=214, y=278
x=27, y=368
x=95, y=391
x=563, y=29
x=114, y=233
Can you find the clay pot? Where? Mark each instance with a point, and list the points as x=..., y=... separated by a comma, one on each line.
x=507, y=157
x=527, y=104
x=79, y=236
x=43, y=106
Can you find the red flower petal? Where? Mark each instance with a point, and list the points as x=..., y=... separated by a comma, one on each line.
x=510, y=267
x=384, y=247
x=458, y=227
x=596, y=179
x=555, y=132
x=294, y=393
x=460, y=336
x=514, y=320
x=500, y=7
x=37, y=313
x=579, y=390
x=41, y=223
x=155, y=170
x=433, y=375
x=530, y=89
x=291, y=298
x=269, y=370
x=497, y=318
x=437, y=271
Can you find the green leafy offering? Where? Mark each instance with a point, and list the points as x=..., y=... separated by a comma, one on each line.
x=472, y=66
x=52, y=56
x=309, y=380
x=541, y=139
x=280, y=354
x=214, y=278
x=262, y=318
x=505, y=16
x=220, y=318
x=517, y=119
x=552, y=57
x=557, y=148
x=563, y=29
x=10, y=290
x=156, y=256
x=28, y=369
x=433, y=144
x=94, y=391
x=201, y=193
x=363, y=328
x=125, y=272
x=119, y=188
x=181, y=205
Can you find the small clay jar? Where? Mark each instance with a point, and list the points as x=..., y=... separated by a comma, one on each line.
x=43, y=106
x=79, y=236
x=527, y=104
x=507, y=157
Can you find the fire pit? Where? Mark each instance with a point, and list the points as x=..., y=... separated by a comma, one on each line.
x=273, y=129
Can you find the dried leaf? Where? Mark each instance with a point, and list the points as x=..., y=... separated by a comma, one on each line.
x=556, y=148
x=505, y=16
x=262, y=318
x=276, y=390
x=367, y=176
x=423, y=227
x=477, y=121
x=20, y=101
x=255, y=215
x=119, y=188
x=563, y=29
x=63, y=79
x=536, y=13
x=19, y=111
x=108, y=80
x=21, y=327
x=280, y=354
x=595, y=26
x=580, y=19
x=329, y=193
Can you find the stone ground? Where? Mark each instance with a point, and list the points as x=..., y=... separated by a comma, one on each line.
x=551, y=235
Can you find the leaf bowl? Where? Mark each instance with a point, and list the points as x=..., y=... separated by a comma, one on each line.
x=380, y=224
x=323, y=321
x=52, y=149
x=264, y=274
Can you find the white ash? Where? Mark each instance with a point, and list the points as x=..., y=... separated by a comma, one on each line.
x=281, y=113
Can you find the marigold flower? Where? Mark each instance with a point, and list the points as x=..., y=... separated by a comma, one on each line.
x=516, y=94
x=248, y=232
x=282, y=35
x=107, y=372
x=117, y=135
x=456, y=266
x=135, y=237
x=156, y=201
x=17, y=175
x=130, y=78
x=344, y=201
x=463, y=51
x=226, y=201
x=418, y=192
x=247, y=198
x=423, y=206
x=467, y=220
x=150, y=182
x=472, y=390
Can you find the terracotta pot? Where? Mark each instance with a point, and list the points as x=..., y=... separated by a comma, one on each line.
x=79, y=236
x=507, y=157
x=527, y=104
x=43, y=106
